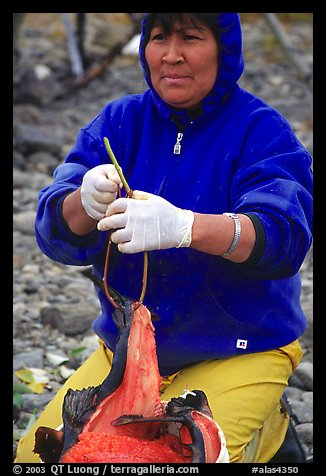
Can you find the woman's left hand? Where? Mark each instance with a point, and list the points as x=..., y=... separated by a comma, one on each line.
x=147, y=222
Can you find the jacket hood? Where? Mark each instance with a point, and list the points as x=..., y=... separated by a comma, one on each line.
x=230, y=68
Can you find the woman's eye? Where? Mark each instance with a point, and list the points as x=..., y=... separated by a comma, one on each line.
x=158, y=37
x=191, y=37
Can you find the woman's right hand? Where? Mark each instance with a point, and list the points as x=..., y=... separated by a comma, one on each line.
x=99, y=188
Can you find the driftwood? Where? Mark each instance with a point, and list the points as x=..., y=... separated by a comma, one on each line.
x=80, y=33
x=303, y=69
x=73, y=47
x=98, y=68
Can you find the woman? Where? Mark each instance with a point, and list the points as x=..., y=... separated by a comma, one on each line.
x=224, y=204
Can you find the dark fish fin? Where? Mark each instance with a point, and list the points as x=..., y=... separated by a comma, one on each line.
x=78, y=405
x=193, y=400
x=48, y=444
x=128, y=419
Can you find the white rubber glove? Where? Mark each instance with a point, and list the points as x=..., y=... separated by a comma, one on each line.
x=147, y=222
x=99, y=188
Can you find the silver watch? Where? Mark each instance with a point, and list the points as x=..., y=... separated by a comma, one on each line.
x=237, y=233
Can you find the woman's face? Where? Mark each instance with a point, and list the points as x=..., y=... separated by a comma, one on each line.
x=182, y=64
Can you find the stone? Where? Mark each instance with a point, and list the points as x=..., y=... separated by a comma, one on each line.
x=304, y=375
x=24, y=222
x=31, y=358
x=34, y=401
x=49, y=316
x=302, y=411
x=37, y=86
x=70, y=319
x=42, y=161
x=32, y=138
x=305, y=432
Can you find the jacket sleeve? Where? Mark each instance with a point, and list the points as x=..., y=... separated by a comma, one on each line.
x=273, y=180
x=53, y=235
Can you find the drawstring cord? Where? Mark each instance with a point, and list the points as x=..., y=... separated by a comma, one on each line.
x=129, y=193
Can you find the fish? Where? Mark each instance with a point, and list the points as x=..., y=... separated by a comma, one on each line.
x=124, y=418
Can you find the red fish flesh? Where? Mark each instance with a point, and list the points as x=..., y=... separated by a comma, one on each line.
x=124, y=419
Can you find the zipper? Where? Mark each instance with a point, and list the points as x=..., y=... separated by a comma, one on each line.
x=177, y=146
x=172, y=165
x=176, y=151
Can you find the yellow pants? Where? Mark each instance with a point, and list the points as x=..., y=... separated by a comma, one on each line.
x=243, y=392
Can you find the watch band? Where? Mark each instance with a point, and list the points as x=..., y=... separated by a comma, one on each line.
x=237, y=233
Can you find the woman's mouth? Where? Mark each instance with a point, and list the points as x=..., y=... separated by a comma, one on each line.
x=175, y=79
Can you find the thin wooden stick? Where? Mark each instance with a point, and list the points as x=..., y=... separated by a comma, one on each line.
x=117, y=166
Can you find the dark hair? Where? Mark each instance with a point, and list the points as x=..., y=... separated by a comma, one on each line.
x=167, y=21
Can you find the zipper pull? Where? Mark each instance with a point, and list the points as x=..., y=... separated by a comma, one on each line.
x=177, y=147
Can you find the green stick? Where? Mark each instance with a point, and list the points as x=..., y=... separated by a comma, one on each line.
x=117, y=166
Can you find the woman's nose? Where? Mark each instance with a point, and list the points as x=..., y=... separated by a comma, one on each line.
x=174, y=52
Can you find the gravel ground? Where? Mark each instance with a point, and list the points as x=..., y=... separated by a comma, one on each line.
x=54, y=305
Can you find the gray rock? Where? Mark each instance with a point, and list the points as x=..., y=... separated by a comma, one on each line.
x=28, y=359
x=50, y=316
x=24, y=222
x=32, y=138
x=302, y=411
x=70, y=319
x=308, y=398
x=294, y=393
x=305, y=432
x=18, y=159
x=25, y=180
x=303, y=375
x=37, y=85
x=42, y=161
x=26, y=113
x=34, y=401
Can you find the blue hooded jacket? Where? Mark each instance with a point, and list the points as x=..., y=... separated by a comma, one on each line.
x=240, y=155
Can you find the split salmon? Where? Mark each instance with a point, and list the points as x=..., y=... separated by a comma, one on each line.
x=124, y=419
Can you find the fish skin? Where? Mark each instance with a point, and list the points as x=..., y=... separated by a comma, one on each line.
x=48, y=444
